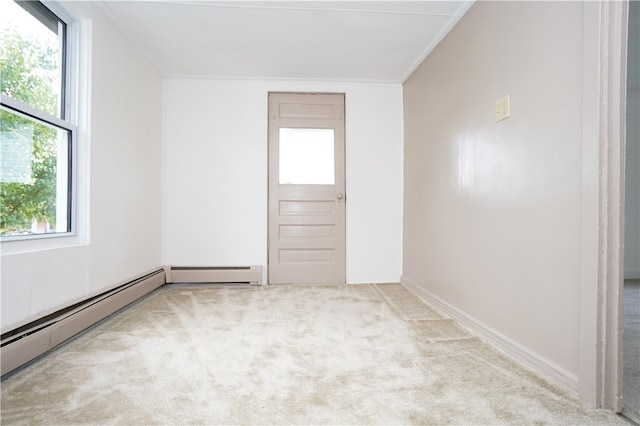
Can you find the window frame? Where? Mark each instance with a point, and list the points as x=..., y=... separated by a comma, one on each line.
x=65, y=119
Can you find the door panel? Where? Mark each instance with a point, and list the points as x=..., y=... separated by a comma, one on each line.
x=306, y=110
x=306, y=207
x=306, y=188
x=307, y=231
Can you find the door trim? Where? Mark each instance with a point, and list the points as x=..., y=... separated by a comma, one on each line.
x=604, y=120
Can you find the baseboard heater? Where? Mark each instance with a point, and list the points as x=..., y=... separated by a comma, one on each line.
x=31, y=340
x=215, y=274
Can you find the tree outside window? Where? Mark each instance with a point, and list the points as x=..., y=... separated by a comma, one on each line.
x=34, y=148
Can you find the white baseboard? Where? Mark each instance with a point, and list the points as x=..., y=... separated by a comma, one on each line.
x=520, y=353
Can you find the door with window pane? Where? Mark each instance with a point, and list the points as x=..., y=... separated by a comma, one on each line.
x=306, y=188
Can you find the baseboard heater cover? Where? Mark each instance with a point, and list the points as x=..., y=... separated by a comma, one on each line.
x=215, y=274
x=31, y=340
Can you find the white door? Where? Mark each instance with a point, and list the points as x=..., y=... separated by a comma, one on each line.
x=306, y=188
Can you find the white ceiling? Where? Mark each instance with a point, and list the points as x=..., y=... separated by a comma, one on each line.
x=373, y=41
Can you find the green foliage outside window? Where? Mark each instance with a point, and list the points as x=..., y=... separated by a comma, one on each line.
x=28, y=73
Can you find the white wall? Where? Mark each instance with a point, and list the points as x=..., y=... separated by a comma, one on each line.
x=121, y=147
x=632, y=183
x=216, y=174
x=492, y=216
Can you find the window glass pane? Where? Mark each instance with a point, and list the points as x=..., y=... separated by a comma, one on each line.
x=34, y=176
x=306, y=156
x=31, y=52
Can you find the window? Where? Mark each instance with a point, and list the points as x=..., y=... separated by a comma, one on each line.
x=306, y=156
x=36, y=132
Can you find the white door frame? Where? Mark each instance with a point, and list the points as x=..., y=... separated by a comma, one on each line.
x=604, y=118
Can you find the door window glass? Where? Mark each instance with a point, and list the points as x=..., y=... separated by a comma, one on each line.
x=306, y=156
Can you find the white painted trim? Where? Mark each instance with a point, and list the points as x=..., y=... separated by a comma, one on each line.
x=604, y=78
x=588, y=343
x=29, y=112
x=163, y=192
x=522, y=354
x=612, y=163
x=299, y=5
x=263, y=79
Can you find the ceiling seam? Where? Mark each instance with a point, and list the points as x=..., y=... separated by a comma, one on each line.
x=313, y=9
x=320, y=80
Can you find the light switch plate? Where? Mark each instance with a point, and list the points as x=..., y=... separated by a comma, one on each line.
x=502, y=108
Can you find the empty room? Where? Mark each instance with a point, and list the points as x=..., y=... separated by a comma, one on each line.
x=319, y=212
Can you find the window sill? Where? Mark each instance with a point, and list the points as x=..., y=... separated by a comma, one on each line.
x=23, y=245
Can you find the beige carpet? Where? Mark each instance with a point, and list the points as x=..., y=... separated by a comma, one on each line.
x=365, y=354
x=631, y=352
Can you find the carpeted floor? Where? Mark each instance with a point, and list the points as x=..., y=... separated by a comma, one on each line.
x=631, y=351
x=362, y=354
